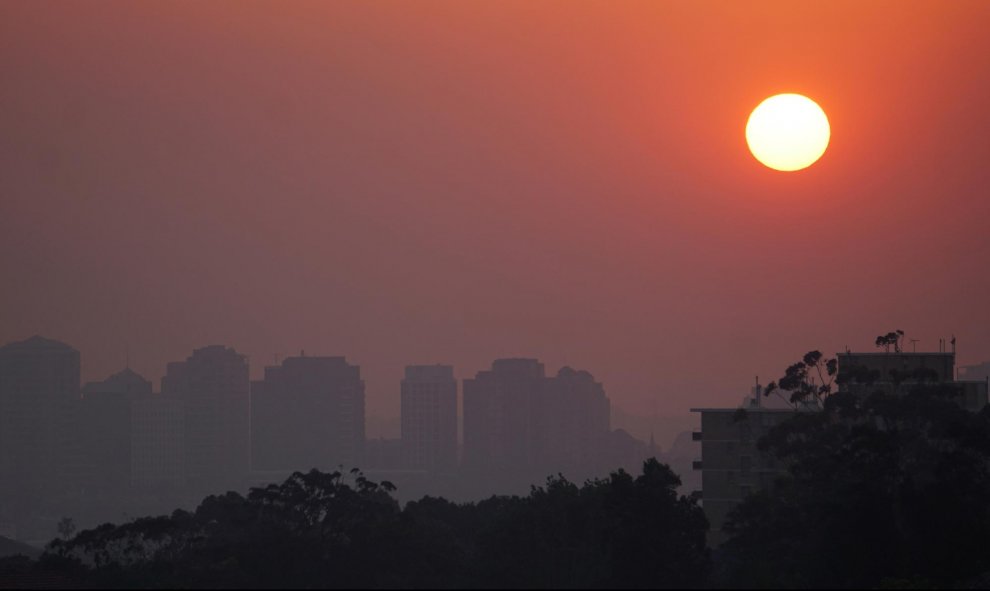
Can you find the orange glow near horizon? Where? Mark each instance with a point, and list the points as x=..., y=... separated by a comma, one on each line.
x=448, y=181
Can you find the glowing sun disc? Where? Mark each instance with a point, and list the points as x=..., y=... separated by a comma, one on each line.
x=788, y=132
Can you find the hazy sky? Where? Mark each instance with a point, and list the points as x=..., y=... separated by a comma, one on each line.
x=420, y=182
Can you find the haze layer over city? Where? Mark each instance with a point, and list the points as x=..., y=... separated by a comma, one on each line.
x=443, y=182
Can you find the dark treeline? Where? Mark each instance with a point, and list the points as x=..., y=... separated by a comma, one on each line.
x=887, y=486
x=339, y=530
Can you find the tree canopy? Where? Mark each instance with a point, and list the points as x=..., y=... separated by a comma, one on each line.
x=884, y=488
x=342, y=530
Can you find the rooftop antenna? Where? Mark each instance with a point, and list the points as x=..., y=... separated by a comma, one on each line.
x=914, y=345
x=953, y=341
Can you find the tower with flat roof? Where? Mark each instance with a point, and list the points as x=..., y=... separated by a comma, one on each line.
x=429, y=417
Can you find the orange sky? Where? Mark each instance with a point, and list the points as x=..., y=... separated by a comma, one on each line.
x=418, y=182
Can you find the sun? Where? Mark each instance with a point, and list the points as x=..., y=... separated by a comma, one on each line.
x=788, y=132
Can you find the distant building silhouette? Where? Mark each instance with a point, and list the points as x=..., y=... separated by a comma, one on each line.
x=158, y=444
x=518, y=419
x=103, y=431
x=383, y=455
x=429, y=417
x=577, y=420
x=503, y=420
x=308, y=413
x=39, y=388
x=622, y=450
x=213, y=386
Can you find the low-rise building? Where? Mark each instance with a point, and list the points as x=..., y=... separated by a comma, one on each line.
x=731, y=465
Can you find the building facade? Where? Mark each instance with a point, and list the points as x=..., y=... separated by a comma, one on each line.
x=503, y=420
x=158, y=444
x=308, y=413
x=577, y=422
x=103, y=431
x=213, y=387
x=429, y=418
x=39, y=391
x=731, y=465
x=518, y=420
x=893, y=371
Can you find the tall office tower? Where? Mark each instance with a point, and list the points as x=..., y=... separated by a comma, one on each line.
x=503, y=416
x=39, y=386
x=103, y=431
x=577, y=422
x=213, y=386
x=157, y=442
x=308, y=413
x=429, y=418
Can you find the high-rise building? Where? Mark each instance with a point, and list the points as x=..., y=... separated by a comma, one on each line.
x=503, y=416
x=308, y=413
x=516, y=418
x=157, y=442
x=39, y=386
x=213, y=386
x=577, y=423
x=103, y=431
x=429, y=417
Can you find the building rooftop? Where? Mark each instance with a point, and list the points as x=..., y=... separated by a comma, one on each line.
x=36, y=342
x=896, y=353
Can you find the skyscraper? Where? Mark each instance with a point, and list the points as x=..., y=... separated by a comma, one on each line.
x=429, y=417
x=157, y=441
x=103, y=430
x=503, y=418
x=39, y=386
x=213, y=385
x=577, y=421
x=308, y=413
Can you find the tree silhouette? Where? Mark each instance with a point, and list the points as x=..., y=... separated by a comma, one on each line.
x=335, y=530
x=811, y=378
x=891, y=338
x=883, y=488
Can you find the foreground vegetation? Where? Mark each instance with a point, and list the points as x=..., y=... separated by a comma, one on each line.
x=887, y=487
x=337, y=530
